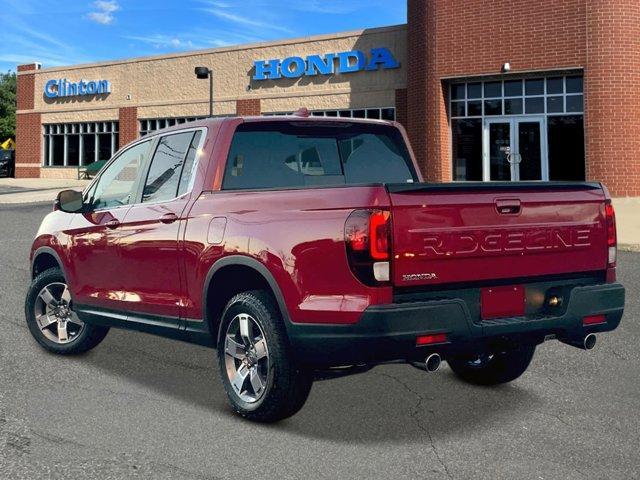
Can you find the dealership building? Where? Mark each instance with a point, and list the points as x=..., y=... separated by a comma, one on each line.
x=501, y=90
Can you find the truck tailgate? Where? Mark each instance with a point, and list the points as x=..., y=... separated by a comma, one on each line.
x=453, y=233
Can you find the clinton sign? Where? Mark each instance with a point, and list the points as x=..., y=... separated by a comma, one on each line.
x=64, y=88
x=328, y=64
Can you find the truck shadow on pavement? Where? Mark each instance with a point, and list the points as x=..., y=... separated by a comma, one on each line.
x=389, y=403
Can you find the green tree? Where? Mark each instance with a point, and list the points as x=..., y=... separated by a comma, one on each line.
x=7, y=106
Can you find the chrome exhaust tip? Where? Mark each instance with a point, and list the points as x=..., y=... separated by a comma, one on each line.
x=432, y=363
x=589, y=341
x=586, y=343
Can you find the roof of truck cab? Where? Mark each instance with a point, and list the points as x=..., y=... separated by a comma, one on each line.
x=297, y=118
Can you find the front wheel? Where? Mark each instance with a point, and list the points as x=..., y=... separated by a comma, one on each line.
x=51, y=319
x=493, y=368
x=261, y=378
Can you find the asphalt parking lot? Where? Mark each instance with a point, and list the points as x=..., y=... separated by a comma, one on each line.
x=144, y=407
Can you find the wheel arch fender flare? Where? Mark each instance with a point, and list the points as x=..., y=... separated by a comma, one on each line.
x=261, y=269
x=47, y=251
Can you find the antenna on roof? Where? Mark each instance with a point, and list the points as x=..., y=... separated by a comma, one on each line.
x=302, y=112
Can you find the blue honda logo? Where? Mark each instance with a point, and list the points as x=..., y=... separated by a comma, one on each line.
x=328, y=64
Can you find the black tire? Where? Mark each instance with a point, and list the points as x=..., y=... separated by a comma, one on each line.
x=495, y=368
x=287, y=385
x=86, y=339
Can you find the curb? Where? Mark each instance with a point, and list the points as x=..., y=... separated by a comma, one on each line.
x=30, y=190
x=46, y=195
x=629, y=247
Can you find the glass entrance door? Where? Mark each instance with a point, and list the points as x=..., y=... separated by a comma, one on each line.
x=498, y=150
x=514, y=149
x=530, y=158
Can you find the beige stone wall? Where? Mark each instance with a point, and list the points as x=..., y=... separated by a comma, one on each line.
x=70, y=173
x=166, y=86
x=186, y=110
x=98, y=115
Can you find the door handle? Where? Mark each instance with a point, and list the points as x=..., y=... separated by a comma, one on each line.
x=113, y=223
x=510, y=206
x=168, y=217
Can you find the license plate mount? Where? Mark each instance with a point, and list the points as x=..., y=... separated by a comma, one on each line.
x=503, y=301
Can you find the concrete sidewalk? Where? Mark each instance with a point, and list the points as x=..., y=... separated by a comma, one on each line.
x=35, y=190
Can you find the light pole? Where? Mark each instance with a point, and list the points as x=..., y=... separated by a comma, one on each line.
x=202, y=73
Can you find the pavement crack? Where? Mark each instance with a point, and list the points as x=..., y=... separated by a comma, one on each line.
x=556, y=416
x=555, y=382
x=415, y=415
x=56, y=440
x=618, y=355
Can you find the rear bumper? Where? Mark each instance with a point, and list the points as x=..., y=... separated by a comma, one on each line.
x=389, y=332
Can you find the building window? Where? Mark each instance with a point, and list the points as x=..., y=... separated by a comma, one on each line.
x=547, y=96
x=76, y=144
x=150, y=125
x=518, y=129
x=384, y=113
x=467, y=149
x=566, y=147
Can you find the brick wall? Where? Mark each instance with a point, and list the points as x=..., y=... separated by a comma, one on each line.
x=28, y=126
x=128, y=124
x=475, y=37
x=248, y=107
x=28, y=145
x=401, y=106
x=25, y=90
x=450, y=38
x=417, y=88
x=612, y=95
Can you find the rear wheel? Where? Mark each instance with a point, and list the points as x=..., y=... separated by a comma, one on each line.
x=493, y=368
x=51, y=319
x=261, y=379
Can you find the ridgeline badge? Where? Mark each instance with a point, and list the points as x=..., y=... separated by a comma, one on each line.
x=64, y=88
x=328, y=64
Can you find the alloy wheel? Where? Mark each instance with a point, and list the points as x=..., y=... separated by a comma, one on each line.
x=55, y=316
x=246, y=358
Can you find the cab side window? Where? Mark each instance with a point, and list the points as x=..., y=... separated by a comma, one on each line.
x=116, y=185
x=166, y=167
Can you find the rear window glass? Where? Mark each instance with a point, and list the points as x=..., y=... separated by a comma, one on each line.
x=166, y=166
x=298, y=154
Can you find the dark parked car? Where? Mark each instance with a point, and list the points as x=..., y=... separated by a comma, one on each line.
x=7, y=163
x=297, y=244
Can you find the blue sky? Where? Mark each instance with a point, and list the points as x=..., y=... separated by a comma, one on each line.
x=70, y=32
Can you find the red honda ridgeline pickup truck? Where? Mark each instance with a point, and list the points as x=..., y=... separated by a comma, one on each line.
x=303, y=245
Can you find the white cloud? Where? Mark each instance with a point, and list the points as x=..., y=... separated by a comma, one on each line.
x=219, y=42
x=25, y=44
x=104, y=10
x=246, y=21
x=332, y=7
x=158, y=40
x=217, y=4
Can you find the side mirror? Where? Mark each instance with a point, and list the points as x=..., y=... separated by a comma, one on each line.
x=69, y=201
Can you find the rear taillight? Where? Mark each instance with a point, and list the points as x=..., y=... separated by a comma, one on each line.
x=379, y=235
x=611, y=234
x=367, y=238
